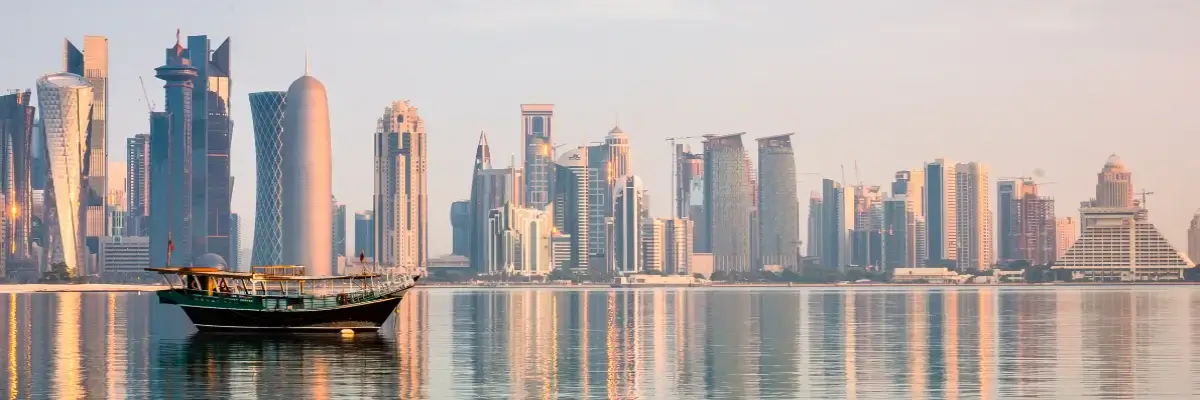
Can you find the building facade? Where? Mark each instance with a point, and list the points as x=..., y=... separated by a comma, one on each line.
x=339, y=232
x=1065, y=229
x=678, y=245
x=897, y=230
x=941, y=215
x=1114, y=184
x=401, y=223
x=172, y=213
x=124, y=256
x=266, y=111
x=627, y=226
x=653, y=244
x=235, y=243
x=519, y=241
x=571, y=212
x=364, y=234
x=65, y=101
x=460, y=226
x=212, y=129
x=974, y=218
x=778, y=202
x=537, y=136
x=137, y=185
x=1115, y=244
x=307, y=182
x=16, y=150
x=92, y=64
x=837, y=225
x=491, y=189
x=728, y=201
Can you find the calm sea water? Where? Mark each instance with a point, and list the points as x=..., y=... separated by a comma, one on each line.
x=1001, y=343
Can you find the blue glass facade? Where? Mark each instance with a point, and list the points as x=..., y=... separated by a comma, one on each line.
x=460, y=221
x=160, y=220
x=178, y=205
x=266, y=110
x=212, y=129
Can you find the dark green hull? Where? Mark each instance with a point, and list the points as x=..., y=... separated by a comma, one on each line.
x=233, y=313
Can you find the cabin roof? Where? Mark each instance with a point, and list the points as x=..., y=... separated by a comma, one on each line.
x=216, y=272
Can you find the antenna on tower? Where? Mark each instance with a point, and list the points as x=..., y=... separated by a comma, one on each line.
x=305, y=62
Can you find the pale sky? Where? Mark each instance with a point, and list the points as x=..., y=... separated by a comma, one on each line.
x=1019, y=85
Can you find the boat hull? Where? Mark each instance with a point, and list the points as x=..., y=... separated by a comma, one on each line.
x=361, y=317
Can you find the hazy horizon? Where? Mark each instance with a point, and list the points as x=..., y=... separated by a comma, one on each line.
x=1017, y=85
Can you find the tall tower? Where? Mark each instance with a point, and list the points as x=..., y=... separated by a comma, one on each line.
x=65, y=100
x=339, y=233
x=266, y=111
x=481, y=206
x=172, y=212
x=778, y=201
x=307, y=185
x=837, y=224
x=92, y=64
x=974, y=218
x=619, y=160
x=1114, y=184
x=941, y=202
x=16, y=137
x=816, y=214
x=728, y=202
x=627, y=227
x=1066, y=229
x=212, y=131
x=137, y=184
x=400, y=192
x=538, y=142
x=1194, y=238
x=600, y=206
x=571, y=204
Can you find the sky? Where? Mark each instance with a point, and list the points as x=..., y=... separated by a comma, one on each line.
x=1019, y=85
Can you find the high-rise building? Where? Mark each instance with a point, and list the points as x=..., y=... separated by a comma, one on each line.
x=92, y=64
x=1193, y=238
x=339, y=232
x=627, y=227
x=538, y=143
x=689, y=169
x=401, y=222
x=266, y=111
x=677, y=245
x=728, y=202
x=1009, y=193
x=778, y=202
x=974, y=218
x=235, y=242
x=1065, y=231
x=941, y=201
x=571, y=216
x=519, y=241
x=364, y=234
x=897, y=229
x=816, y=214
x=307, y=184
x=460, y=225
x=837, y=225
x=1114, y=184
x=491, y=189
x=212, y=131
x=40, y=168
x=653, y=244
x=866, y=242
x=65, y=101
x=911, y=184
x=620, y=162
x=16, y=138
x=172, y=156
x=600, y=195
x=137, y=185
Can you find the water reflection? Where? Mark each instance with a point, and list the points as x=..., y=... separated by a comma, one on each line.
x=992, y=343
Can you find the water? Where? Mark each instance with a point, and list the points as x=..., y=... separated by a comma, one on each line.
x=885, y=343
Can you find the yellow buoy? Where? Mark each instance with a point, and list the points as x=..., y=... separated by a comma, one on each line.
x=347, y=332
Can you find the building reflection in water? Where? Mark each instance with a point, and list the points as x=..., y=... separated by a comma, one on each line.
x=970, y=342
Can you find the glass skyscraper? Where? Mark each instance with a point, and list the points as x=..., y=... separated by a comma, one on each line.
x=537, y=137
x=266, y=110
x=728, y=202
x=211, y=135
x=92, y=64
x=172, y=209
x=137, y=184
x=778, y=202
x=65, y=100
x=16, y=137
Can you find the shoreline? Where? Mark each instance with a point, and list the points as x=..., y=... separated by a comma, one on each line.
x=122, y=288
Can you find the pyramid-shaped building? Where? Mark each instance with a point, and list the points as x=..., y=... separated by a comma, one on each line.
x=1119, y=244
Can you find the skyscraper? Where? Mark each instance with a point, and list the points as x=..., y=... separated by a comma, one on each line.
x=727, y=202
x=172, y=213
x=137, y=184
x=974, y=218
x=235, y=243
x=266, y=111
x=778, y=201
x=65, y=100
x=537, y=135
x=678, y=241
x=941, y=224
x=92, y=64
x=600, y=206
x=653, y=244
x=16, y=137
x=620, y=163
x=571, y=214
x=307, y=185
x=1009, y=193
x=690, y=198
x=1026, y=222
x=364, y=234
x=1114, y=184
x=460, y=224
x=837, y=225
x=481, y=204
x=816, y=213
x=400, y=188
x=339, y=232
x=627, y=229
x=212, y=131
x=1065, y=230
x=896, y=231
x=1194, y=238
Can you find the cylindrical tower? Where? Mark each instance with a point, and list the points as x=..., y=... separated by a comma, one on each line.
x=307, y=183
x=172, y=210
x=267, y=109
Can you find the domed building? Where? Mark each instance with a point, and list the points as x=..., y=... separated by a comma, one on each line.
x=210, y=260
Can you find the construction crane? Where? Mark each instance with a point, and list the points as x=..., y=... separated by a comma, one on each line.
x=676, y=188
x=149, y=104
x=1144, y=194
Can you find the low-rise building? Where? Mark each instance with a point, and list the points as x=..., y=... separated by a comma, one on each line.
x=124, y=256
x=926, y=275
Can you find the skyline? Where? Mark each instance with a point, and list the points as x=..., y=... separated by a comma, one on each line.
x=1058, y=79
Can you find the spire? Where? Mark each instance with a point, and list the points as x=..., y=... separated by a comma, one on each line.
x=178, y=44
x=483, y=154
x=306, y=62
